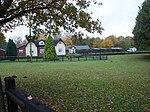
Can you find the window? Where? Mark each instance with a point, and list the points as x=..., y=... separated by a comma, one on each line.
x=60, y=50
x=20, y=51
x=41, y=43
x=59, y=42
x=41, y=51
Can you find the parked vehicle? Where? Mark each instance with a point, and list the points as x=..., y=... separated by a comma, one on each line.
x=132, y=49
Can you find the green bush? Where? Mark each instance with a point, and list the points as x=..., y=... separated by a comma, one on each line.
x=69, y=56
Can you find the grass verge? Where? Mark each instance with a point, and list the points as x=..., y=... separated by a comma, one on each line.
x=121, y=83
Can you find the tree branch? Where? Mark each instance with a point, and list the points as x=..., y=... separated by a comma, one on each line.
x=4, y=7
x=28, y=9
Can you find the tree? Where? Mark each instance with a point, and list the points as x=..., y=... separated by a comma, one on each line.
x=68, y=41
x=97, y=42
x=88, y=41
x=2, y=37
x=52, y=14
x=114, y=39
x=141, y=30
x=49, y=49
x=11, y=50
x=41, y=36
x=77, y=38
x=129, y=41
x=107, y=43
x=121, y=42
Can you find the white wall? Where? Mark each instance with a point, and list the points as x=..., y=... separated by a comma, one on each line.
x=72, y=50
x=60, y=48
x=34, y=49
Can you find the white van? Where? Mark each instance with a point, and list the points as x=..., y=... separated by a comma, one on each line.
x=132, y=49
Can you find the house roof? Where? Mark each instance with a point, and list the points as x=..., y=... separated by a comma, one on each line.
x=56, y=40
x=82, y=47
x=2, y=50
x=21, y=46
x=36, y=42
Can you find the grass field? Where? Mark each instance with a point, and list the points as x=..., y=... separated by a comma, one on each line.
x=119, y=84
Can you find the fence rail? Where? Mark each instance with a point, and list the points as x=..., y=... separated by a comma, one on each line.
x=81, y=56
x=18, y=98
x=76, y=57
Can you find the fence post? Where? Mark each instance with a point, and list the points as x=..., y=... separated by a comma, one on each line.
x=85, y=57
x=93, y=57
x=10, y=83
x=106, y=57
x=62, y=58
x=99, y=57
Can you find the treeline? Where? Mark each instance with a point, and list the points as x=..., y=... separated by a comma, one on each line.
x=108, y=42
x=92, y=42
x=17, y=40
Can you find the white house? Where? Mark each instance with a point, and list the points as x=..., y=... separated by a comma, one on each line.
x=60, y=46
x=38, y=48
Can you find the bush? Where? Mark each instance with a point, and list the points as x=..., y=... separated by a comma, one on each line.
x=69, y=56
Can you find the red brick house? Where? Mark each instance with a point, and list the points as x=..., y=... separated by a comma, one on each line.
x=2, y=52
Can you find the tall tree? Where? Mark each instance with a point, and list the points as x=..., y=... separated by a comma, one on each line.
x=11, y=50
x=129, y=42
x=97, y=42
x=53, y=14
x=68, y=41
x=113, y=38
x=49, y=49
x=88, y=41
x=121, y=42
x=142, y=28
x=107, y=43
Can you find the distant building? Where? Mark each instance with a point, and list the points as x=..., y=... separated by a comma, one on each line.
x=99, y=50
x=76, y=49
x=38, y=48
x=2, y=52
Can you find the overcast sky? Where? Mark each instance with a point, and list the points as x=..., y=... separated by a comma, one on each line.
x=117, y=17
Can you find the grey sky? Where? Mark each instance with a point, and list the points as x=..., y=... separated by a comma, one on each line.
x=117, y=17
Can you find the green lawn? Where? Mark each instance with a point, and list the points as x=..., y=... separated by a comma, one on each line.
x=121, y=83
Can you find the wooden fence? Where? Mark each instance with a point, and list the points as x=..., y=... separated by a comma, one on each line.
x=59, y=58
x=18, y=98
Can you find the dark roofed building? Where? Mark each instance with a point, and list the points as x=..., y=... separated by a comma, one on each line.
x=76, y=49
